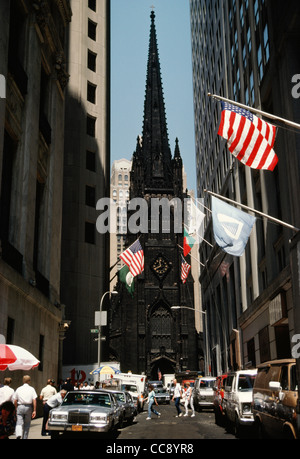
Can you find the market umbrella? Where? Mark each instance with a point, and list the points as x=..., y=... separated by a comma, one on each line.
x=105, y=370
x=16, y=358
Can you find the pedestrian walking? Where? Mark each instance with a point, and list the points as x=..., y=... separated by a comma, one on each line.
x=6, y=392
x=176, y=397
x=189, y=400
x=151, y=400
x=25, y=402
x=53, y=402
x=192, y=402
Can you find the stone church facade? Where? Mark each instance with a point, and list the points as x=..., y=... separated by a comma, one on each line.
x=145, y=333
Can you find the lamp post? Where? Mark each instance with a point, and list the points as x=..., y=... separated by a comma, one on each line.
x=100, y=319
x=206, y=340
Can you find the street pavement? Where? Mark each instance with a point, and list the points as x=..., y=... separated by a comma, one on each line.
x=168, y=426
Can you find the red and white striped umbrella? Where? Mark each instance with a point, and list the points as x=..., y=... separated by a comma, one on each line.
x=16, y=358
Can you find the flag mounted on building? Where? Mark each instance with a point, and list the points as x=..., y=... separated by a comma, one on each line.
x=249, y=138
x=185, y=269
x=188, y=242
x=127, y=278
x=133, y=257
x=232, y=227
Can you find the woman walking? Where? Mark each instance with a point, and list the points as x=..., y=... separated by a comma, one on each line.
x=151, y=399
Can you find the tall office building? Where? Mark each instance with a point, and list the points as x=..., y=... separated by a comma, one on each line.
x=85, y=252
x=245, y=50
x=32, y=58
x=119, y=193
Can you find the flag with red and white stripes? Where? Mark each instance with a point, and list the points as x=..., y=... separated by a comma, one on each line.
x=185, y=269
x=249, y=138
x=133, y=257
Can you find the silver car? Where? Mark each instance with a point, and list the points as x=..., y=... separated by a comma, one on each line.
x=85, y=412
x=126, y=403
x=203, y=393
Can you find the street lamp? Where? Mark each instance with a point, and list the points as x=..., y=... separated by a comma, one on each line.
x=206, y=337
x=100, y=320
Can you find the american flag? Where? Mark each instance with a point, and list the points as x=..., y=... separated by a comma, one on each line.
x=249, y=138
x=133, y=257
x=185, y=269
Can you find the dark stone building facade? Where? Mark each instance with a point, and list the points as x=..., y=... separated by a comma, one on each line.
x=145, y=333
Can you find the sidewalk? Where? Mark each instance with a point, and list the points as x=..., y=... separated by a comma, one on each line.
x=35, y=431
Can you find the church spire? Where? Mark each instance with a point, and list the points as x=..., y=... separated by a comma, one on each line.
x=156, y=153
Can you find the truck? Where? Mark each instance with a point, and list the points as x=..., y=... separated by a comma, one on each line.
x=167, y=380
x=134, y=384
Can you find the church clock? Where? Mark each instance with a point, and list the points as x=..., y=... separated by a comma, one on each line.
x=161, y=266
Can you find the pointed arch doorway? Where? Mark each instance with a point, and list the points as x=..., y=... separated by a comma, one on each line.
x=164, y=365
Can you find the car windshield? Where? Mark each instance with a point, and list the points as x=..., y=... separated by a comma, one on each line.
x=207, y=384
x=160, y=390
x=120, y=397
x=246, y=382
x=129, y=387
x=73, y=398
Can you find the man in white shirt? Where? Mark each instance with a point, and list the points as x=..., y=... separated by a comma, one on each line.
x=6, y=392
x=48, y=391
x=53, y=402
x=25, y=401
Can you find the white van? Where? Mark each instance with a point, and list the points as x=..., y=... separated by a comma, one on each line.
x=237, y=402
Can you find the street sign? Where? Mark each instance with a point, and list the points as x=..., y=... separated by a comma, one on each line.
x=103, y=320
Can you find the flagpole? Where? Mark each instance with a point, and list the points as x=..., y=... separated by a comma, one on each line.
x=255, y=110
x=193, y=257
x=275, y=220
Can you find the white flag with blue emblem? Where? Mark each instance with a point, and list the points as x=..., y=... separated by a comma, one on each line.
x=231, y=227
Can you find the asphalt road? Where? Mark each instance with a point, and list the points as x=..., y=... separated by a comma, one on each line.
x=167, y=427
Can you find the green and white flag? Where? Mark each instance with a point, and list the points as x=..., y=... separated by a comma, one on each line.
x=126, y=277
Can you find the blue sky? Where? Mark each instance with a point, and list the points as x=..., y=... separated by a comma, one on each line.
x=130, y=30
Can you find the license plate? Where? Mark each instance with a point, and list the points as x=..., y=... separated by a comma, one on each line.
x=76, y=428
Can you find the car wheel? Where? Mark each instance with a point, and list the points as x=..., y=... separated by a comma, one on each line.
x=237, y=427
x=259, y=430
x=218, y=417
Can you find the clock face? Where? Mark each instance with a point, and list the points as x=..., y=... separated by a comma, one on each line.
x=160, y=266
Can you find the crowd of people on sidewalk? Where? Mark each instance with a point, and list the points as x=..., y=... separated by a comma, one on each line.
x=18, y=407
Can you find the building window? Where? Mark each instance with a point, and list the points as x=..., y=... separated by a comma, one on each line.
x=264, y=345
x=91, y=92
x=92, y=5
x=41, y=352
x=90, y=196
x=266, y=43
x=92, y=57
x=260, y=63
x=10, y=330
x=90, y=126
x=92, y=27
x=89, y=236
x=90, y=161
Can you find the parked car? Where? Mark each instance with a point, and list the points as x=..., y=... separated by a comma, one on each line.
x=203, y=392
x=137, y=396
x=237, y=402
x=218, y=399
x=85, y=411
x=162, y=395
x=275, y=398
x=126, y=403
